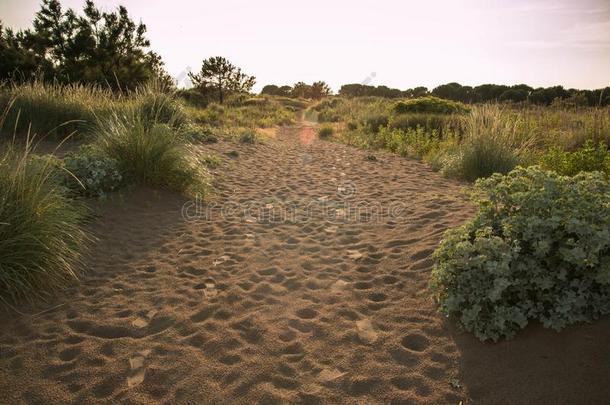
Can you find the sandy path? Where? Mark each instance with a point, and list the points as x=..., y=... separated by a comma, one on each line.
x=284, y=296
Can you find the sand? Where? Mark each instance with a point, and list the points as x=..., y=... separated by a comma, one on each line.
x=293, y=299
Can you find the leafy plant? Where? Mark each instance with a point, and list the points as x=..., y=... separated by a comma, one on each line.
x=90, y=172
x=586, y=159
x=538, y=249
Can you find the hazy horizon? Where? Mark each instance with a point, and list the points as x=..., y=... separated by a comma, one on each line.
x=397, y=44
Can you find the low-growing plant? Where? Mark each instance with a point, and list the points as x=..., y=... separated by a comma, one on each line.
x=212, y=161
x=325, y=131
x=538, y=249
x=586, y=159
x=41, y=234
x=90, y=172
x=199, y=133
x=249, y=136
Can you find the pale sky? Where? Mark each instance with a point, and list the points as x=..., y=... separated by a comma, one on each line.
x=400, y=44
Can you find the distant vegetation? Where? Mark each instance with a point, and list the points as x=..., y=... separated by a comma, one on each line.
x=315, y=91
x=469, y=142
x=485, y=93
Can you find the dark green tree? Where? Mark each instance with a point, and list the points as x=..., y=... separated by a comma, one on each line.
x=319, y=90
x=98, y=47
x=222, y=77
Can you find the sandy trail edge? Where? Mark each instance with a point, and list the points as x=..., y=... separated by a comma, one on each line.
x=310, y=307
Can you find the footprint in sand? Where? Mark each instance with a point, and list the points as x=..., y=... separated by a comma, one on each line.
x=331, y=229
x=354, y=254
x=143, y=321
x=221, y=260
x=366, y=332
x=138, y=371
x=339, y=286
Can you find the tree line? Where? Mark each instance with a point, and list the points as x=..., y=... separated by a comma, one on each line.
x=315, y=91
x=487, y=93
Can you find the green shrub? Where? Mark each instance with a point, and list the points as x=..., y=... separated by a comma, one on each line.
x=491, y=143
x=249, y=136
x=374, y=122
x=155, y=155
x=41, y=238
x=586, y=159
x=210, y=160
x=440, y=123
x=90, y=172
x=197, y=133
x=429, y=104
x=480, y=157
x=538, y=249
x=325, y=131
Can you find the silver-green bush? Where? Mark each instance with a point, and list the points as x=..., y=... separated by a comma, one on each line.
x=538, y=249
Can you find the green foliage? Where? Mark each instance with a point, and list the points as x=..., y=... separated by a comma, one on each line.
x=103, y=48
x=222, y=78
x=440, y=123
x=152, y=154
x=538, y=249
x=429, y=104
x=210, y=160
x=249, y=136
x=325, y=131
x=266, y=114
x=52, y=110
x=373, y=122
x=160, y=107
x=586, y=159
x=198, y=133
x=90, y=172
x=480, y=157
x=41, y=238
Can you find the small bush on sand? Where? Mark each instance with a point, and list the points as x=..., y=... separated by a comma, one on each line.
x=90, y=172
x=374, y=122
x=325, y=131
x=156, y=154
x=41, y=238
x=210, y=160
x=586, y=159
x=538, y=249
x=249, y=136
x=492, y=143
x=429, y=104
x=198, y=133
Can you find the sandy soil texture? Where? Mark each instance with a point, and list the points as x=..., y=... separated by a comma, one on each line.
x=306, y=282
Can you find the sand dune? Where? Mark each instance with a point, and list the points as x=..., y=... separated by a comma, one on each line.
x=305, y=282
